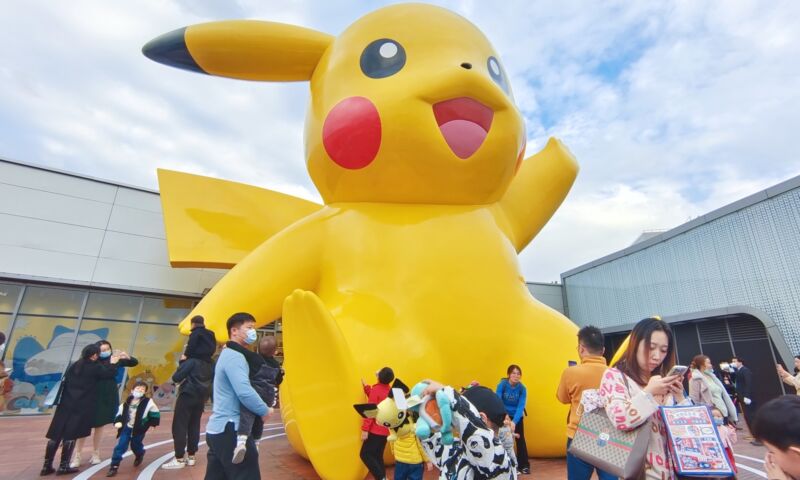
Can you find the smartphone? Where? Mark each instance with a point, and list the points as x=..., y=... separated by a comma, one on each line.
x=677, y=370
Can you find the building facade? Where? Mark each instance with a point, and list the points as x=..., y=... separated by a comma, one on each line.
x=82, y=260
x=728, y=281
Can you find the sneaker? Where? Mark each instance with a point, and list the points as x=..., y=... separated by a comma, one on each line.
x=75, y=462
x=240, y=451
x=95, y=459
x=190, y=461
x=112, y=471
x=137, y=459
x=524, y=471
x=174, y=464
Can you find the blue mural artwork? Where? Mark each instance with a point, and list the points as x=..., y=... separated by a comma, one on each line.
x=37, y=369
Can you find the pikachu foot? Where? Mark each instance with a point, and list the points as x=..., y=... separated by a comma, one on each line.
x=320, y=389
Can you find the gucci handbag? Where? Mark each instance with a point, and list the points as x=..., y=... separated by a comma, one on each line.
x=600, y=443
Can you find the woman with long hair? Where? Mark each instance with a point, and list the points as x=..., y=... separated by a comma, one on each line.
x=75, y=411
x=638, y=384
x=514, y=395
x=106, y=402
x=706, y=389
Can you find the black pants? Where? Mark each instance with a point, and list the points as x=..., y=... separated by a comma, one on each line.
x=250, y=423
x=372, y=455
x=522, y=447
x=220, y=456
x=186, y=424
x=749, y=413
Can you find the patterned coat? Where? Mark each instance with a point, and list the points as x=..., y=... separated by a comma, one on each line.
x=628, y=406
x=477, y=454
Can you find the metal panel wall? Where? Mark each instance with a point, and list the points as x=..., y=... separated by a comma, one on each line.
x=66, y=229
x=748, y=257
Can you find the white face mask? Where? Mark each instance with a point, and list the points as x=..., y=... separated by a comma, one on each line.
x=137, y=394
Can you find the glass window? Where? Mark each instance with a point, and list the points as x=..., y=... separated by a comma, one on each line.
x=158, y=349
x=166, y=310
x=112, y=306
x=8, y=297
x=5, y=325
x=118, y=334
x=52, y=301
x=39, y=351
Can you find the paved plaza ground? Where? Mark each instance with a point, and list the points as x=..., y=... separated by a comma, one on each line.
x=22, y=446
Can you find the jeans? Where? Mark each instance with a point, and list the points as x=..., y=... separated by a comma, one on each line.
x=127, y=438
x=220, y=457
x=186, y=424
x=577, y=469
x=408, y=471
x=372, y=455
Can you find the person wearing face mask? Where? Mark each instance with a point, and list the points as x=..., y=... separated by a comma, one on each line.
x=706, y=389
x=75, y=411
x=232, y=391
x=744, y=390
x=638, y=384
x=134, y=417
x=106, y=401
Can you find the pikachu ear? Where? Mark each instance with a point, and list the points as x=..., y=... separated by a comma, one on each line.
x=367, y=410
x=244, y=49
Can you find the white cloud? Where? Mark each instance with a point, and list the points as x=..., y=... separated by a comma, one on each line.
x=672, y=108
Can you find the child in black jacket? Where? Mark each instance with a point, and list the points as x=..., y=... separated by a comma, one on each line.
x=134, y=417
x=264, y=378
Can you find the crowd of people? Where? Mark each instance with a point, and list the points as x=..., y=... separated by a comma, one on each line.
x=490, y=424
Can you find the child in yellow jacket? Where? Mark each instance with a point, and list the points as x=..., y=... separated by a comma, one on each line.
x=408, y=454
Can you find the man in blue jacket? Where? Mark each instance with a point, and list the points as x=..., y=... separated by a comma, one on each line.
x=232, y=390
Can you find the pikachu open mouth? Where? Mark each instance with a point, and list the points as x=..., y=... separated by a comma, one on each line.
x=464, y=123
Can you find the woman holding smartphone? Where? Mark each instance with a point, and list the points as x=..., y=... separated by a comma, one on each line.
x=106, y=400
x=639, y=383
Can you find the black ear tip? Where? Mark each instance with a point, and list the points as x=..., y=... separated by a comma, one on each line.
x=170, y=49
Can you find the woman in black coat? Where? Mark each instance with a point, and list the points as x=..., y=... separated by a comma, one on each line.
x=106, y=404
x=75, y=412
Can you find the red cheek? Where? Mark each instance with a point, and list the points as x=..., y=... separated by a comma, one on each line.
x=351, y=133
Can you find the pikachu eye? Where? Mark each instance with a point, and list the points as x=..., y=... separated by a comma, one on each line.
x=497, y=74
x=382, y=58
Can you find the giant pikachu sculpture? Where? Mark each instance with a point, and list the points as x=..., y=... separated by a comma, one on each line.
x=415, y=144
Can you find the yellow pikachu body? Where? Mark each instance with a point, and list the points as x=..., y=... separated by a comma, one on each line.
x=416, y=146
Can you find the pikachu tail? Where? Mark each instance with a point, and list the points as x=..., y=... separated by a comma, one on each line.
x=320, y=389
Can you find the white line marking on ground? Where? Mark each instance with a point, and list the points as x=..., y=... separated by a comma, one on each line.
x=752, y=470
x=749, y=458
x=87, y=474
x=152, y=468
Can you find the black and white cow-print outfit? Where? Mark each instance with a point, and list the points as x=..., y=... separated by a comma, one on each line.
x=477, y=455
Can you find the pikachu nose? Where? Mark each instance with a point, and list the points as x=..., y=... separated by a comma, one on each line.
x=466, y=65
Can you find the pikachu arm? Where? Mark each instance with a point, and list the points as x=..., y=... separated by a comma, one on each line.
x=259, y=284
x=536, y=192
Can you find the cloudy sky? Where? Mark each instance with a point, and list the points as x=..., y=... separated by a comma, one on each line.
x=673, y=109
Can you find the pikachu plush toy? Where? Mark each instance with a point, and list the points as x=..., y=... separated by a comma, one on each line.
x=416, y=147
